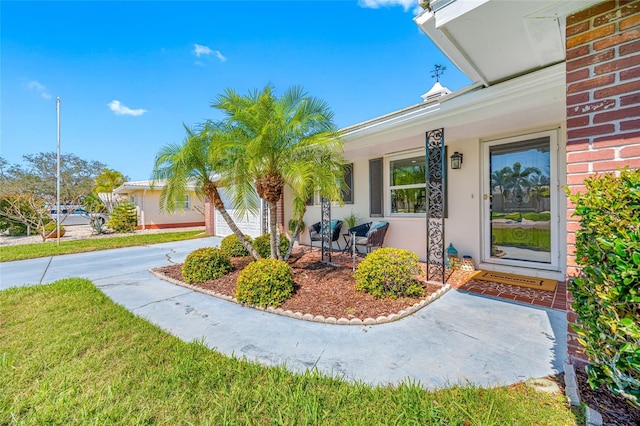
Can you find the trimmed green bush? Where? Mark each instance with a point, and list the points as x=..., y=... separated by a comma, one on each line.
x=389, y=272
x=205, y=264
x=262, y=244
x=607, y=294
x=265, y=282
x=124, y=218
x=232, y=246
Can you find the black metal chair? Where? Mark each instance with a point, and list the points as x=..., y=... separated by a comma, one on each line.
x=374, y=236
x=315, y=232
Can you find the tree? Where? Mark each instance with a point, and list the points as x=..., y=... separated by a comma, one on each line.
x=105, y=183
x=38, y=176
x=281, y=141
x=25, y=210
x=31, y=188
x=198, y=160
x=517, y=185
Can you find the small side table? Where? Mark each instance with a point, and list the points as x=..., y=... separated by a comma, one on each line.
x=347, y=240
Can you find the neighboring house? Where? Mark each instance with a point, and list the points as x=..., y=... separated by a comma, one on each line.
x=555, y=98
x=145, y=195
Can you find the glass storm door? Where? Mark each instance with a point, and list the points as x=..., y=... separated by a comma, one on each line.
x=520, y=201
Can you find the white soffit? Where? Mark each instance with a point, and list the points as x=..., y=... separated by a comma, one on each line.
x=494, y=40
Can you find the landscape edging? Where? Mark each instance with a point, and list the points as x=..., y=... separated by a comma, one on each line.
x=310, y=317
x=592, y=417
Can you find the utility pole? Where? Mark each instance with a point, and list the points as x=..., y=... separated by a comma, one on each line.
x=58, y=176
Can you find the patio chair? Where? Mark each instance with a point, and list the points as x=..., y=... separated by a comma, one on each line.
x=315, y=232
x=374, y=237
x=359, y=230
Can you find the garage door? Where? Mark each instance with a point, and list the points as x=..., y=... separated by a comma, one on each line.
x=248, y=224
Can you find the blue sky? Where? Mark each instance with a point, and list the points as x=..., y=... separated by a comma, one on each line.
x=130, y=74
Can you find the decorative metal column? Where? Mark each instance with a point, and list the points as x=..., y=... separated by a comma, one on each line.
x=325, y=229
x=436, y=196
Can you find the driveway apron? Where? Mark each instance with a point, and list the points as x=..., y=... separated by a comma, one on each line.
x=460, y=338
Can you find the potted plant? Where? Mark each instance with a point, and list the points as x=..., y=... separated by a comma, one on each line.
x=351, y=220
x=49, y=230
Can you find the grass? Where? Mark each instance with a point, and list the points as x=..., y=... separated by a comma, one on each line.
x=32, y=251
x=544, y=216
x=539, y=239
x=69, y=355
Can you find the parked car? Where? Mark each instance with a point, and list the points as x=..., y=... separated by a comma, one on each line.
x=78, y=216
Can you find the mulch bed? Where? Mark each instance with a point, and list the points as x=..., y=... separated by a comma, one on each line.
x=615, y=410
x=320, y=289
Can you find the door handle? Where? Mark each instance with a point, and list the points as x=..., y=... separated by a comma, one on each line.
x=488, y=197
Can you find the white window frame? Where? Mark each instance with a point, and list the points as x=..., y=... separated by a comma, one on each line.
x=387, y=182
x=184, y=204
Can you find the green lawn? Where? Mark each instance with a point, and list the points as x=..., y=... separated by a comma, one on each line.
x=50, y=248
x=69, y=355
x=537, y=239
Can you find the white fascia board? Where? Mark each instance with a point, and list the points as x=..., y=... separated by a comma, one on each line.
x=530, y=88
x=447, y=45
x=455, y=9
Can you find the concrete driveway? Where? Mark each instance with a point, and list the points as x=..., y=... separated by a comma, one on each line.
x=460, y=338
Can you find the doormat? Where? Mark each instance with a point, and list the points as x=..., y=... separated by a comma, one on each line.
x=518, y=280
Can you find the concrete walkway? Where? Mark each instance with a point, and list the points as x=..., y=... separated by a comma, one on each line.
x=459, y=338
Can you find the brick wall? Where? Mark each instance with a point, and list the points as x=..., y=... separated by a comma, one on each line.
x=603, y=105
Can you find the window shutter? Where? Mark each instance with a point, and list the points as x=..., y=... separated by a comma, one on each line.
x=375, y=188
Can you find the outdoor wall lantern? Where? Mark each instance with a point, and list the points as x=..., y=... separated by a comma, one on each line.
x=456, y=160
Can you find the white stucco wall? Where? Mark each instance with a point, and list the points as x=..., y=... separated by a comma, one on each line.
x=149, y=202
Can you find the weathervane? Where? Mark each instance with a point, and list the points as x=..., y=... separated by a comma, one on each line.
x=437, y=72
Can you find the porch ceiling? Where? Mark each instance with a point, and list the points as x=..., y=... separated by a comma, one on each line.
x=493, y=40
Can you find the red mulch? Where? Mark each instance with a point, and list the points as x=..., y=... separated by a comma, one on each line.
x=320, y=289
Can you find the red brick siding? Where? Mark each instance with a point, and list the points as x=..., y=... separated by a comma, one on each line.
x=603, y=116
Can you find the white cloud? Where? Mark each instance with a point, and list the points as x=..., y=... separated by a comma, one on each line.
x=39, y=88
x=201, y=50
x=120, y=109
x=376, y=4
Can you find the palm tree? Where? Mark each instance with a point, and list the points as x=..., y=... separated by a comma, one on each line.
x=106, y=182
x=281, y=141
x=197, y=161
x=539, y=188
x=517, y=184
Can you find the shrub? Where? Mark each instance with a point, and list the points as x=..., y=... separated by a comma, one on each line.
x=50, y=227
x=389, y=272
x=205, y=264
x=231, y=246
x=607, y=293
x=262, y=244
x=124, y=218
x=265, y=282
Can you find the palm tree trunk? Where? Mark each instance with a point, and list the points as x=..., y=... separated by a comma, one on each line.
x=214, y=195
x=296, y=232
x=275, y=232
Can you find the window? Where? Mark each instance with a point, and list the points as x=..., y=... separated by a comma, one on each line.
x=347, y=190
x=184, y=203
x=375, y=188
x=133, y=199
x=407, y=185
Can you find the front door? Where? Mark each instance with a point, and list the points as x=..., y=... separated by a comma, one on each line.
x=520, y=201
